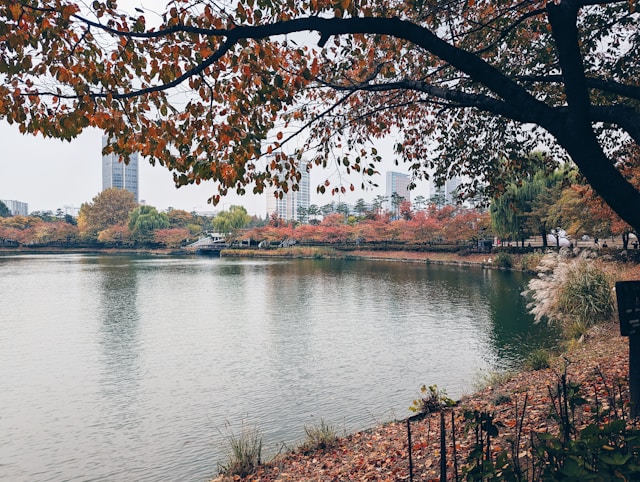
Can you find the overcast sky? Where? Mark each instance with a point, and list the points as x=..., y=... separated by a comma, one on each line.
x=49, y=174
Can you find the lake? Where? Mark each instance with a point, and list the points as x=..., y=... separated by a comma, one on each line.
x=135, y=368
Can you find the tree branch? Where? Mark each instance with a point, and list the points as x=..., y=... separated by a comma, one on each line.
x=462, y=60
x=222, y=50
x=506, y=31
x=624, y=117
x=611, y=86
x=456, y=98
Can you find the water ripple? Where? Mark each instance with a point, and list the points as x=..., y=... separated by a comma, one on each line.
x=124, y=368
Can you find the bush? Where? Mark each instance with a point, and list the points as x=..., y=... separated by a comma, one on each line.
x=243, y=453
x=503, y=260
x=575, y=293
x=432, y=400
x=587, y=294
x=538, y=360
x=529, y=262
x=319, y=436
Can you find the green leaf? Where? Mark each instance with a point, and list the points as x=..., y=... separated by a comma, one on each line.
x=615, y=458
x=571, y=468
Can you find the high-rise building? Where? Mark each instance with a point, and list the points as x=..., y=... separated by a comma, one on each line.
x=118, y=174
x=397, y=183
x=293, y=203
x=446, y=195
x=16, y=208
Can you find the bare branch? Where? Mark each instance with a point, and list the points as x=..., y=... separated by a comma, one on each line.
x=611, y=86
x=456, y=98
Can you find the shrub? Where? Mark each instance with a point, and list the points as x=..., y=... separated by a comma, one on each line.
x=503, y=260
x=243, y=452
x=575, y=293
x=587, y=294
x=529, y=262
x=432, y=400
x=538, y=360
x=319, y=436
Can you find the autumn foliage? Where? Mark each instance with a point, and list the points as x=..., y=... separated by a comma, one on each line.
x=252, y=93
x=457, y=227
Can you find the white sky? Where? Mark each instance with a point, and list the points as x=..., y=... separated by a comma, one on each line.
x=49, y=174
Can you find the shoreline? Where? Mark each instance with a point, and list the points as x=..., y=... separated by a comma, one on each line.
x=380, y=453
x=508, y=260
x=519, y=403
x=407, y=256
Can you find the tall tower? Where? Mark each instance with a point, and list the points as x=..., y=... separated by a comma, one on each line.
x=397, y=183
x=118, y=174
x=292, y=202
x=447, y=193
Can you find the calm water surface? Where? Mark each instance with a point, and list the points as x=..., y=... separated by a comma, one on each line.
x=126, y=368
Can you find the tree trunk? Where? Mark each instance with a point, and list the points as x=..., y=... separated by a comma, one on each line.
x=575, y=132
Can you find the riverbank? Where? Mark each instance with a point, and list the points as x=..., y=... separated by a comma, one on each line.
x=521, y=404
x=379, y=255
x=522, y=401
x=466, y=259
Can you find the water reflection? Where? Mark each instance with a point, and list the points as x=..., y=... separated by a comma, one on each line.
x=134, y=364
x=514, y=334
x=116, y=286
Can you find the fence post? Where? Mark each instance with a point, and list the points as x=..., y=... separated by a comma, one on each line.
x=409, y=442
x=443, y=449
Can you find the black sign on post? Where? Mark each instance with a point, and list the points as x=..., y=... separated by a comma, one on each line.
x=628, y=295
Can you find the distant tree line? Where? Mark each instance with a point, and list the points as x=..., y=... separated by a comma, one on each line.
x=536, y=202
x=431, y=226
x=112, y=218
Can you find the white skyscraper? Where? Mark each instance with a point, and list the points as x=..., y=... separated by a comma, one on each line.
x=16, y=208
x=447, y=192
x=118, y=174
x=397, y=183
x=292, y=202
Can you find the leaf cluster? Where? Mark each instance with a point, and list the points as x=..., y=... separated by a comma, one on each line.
x=249, y=95
x=432, y=400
